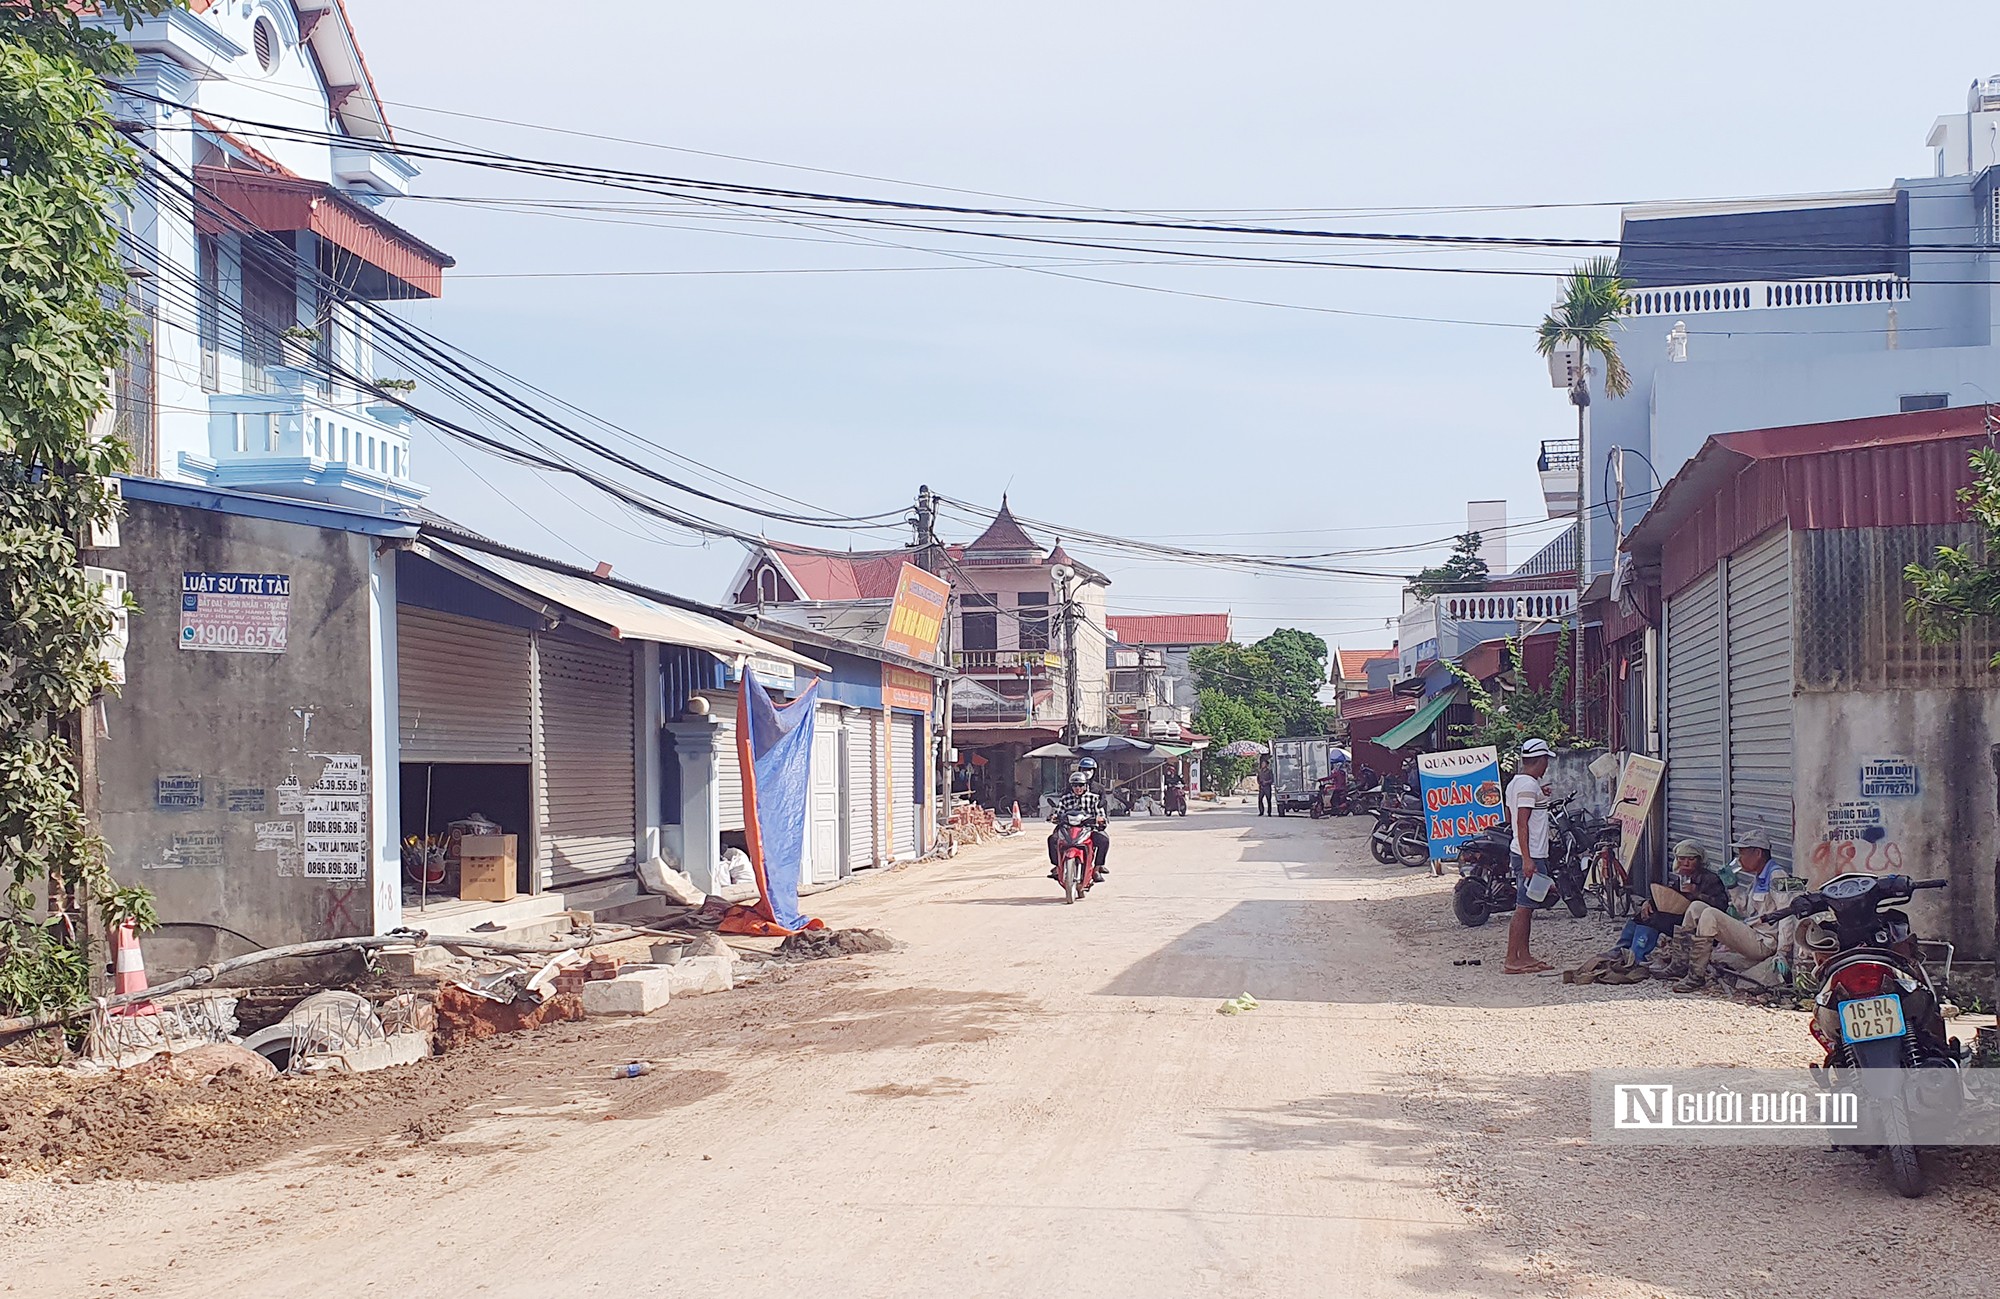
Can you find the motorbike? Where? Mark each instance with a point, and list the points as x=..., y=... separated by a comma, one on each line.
x=1176, y=800
x=1877, y=1015
x=1399, y=835
x=1487, y=885
x=1330, y=798
x=1076, y=855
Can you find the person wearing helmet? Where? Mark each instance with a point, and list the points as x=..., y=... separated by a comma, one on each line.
x=1082, y=798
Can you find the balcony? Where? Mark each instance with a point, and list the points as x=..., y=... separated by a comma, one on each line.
x=1006, y=663
x=1446, y=626
x=1557, y=464
x=293, y=442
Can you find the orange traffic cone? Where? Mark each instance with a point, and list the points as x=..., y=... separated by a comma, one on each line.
x=1017, y=816
x=128, y=969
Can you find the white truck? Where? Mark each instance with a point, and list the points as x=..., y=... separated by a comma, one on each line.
x=1298, y=762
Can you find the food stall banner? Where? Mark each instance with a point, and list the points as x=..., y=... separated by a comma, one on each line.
x=1461, y=789
x=1638, y=785
x=916, y=616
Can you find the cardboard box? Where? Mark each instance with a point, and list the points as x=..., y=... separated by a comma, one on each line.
x=486, y=868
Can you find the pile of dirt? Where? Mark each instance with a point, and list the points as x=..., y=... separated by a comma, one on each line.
x=464, y=1017
x=818, y=944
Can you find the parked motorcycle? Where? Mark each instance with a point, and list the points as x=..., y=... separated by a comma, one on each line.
x=1177, y=800
x=1488, y=887
x=1399, y=835
x=1330, y=799
x=1076, y=855
x=1877, y=1015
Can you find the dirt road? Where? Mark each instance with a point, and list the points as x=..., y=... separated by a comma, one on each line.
x=1033, y=1100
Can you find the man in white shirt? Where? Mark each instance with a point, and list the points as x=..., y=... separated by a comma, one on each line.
x=1528, y=818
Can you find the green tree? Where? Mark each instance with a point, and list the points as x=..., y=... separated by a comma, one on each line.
x=1962, y=582
x=1464, y=571
x=1257, y=692
x=62, y=330
x=1515, y=712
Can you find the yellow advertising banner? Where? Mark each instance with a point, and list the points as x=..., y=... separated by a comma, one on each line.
x=917, y=616
x=904, y=688
x=1638, y=785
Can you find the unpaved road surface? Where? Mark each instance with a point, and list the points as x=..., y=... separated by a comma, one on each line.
x=1029, y=1099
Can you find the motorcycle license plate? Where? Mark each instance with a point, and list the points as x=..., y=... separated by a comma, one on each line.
x=1871, y=1018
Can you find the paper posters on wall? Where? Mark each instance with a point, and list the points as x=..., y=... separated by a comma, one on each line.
x=1638, y=786
x=243, y=798
x=178, y=791
x=1461, y=790
x=291, y=797
x=335, y=838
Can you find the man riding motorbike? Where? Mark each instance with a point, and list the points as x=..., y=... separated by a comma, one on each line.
x=1081, y=798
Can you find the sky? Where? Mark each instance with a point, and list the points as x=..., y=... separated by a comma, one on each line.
x=838, y=368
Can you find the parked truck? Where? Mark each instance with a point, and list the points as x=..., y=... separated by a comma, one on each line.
x=1298, y=763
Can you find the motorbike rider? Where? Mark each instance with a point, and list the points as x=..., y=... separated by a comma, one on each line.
x=1756, y=875
x=1081, y=798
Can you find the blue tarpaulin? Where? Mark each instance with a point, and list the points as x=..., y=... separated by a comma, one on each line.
x=775, y=748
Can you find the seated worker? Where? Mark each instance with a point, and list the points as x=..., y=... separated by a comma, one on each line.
x=1757, y=876
x=1692, y=879
x=1081, y=798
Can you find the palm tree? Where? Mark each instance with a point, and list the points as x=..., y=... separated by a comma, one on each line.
x=1593, y=304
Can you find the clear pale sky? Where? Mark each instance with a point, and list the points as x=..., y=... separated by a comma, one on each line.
x=1131, y=411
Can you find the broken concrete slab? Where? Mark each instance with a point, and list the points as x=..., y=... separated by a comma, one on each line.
x=402, y=1048
x=711, y=944
x=696, y=975
x=412, y=962
x=638, y=990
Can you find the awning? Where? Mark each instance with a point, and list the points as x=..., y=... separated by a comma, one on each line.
x=228, y=199
x=1412, y=728
x=623, y=614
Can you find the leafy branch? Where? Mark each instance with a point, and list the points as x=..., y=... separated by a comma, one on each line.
x=1512, y=715
x=1960, y=585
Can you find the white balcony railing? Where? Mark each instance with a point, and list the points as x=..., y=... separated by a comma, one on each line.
x=1761, y=295
x=294, y=441
x=1506, y=606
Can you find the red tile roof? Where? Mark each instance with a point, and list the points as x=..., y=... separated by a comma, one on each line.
x=1354, y=663
x=1169, y=628
x=832, y=575
x=1382, y=703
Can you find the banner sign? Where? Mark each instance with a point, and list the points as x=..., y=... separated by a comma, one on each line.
x=917, y=616
x=1637, y=788
x=236, y=613
x=1461, y=789
x=904, y=688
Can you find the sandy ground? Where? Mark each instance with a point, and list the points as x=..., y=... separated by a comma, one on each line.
x=1029, y=1099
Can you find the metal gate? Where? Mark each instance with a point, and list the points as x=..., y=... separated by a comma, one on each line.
x=825, y=836
x=465, y=689
x=903, y=792
x=585, y=776
x=1694, y=713
x=862, y=780
x=1758, y=666
x=728, y=768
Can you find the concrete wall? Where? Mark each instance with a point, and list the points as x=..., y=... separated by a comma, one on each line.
x=1947, y=829
x=200, y=741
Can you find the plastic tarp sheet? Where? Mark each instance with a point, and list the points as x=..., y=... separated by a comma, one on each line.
x=774, y=746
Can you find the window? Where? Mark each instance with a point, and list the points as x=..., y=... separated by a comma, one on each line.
x=264, y=44
x=1917, y=401
x=270, y=307
x=1034, y=607
x=208, y=310
x=979, y=627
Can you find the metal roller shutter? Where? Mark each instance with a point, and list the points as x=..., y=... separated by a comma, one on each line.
x=1694, y=714
x=586, y=777
x=825, y=835
x=728, y=768
x=863, y=787
x=465, y=689
x=1759, y=667
x=909, y=739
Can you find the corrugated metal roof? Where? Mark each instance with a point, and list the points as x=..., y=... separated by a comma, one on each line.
x=1884, y=472
x=626, y=613
x=1169, y=628
x=1380, y=703
x=227, y=199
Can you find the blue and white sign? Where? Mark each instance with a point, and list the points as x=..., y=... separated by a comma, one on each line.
x=1889, y=778
x=1462, y=796
x=236, y=613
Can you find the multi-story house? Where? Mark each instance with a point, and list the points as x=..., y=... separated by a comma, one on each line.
x=1173, y=637
x=1768, y=312
x=260, y=256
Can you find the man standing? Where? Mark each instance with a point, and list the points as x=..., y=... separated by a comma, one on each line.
x=1528, y=818
x=1266, y=780
x=1710, y=923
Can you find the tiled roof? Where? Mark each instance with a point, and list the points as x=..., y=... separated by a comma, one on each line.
x=1169, y=628
x=1004, y=534
x=1381, y=703
x=1354, y=663
x=831, y=575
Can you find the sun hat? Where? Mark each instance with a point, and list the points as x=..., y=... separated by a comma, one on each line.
x=1689, y=848
x=1754, y=837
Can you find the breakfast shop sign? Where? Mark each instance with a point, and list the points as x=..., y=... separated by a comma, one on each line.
x=1461, y=789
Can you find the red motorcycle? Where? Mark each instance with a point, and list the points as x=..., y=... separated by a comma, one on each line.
x=1177, y=800
x=1076, y=855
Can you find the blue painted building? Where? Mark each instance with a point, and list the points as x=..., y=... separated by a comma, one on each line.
x=1761, y=313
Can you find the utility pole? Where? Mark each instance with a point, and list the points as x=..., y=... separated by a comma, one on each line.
x=1072, y=731
x=930, y=558
x=1579, y=394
